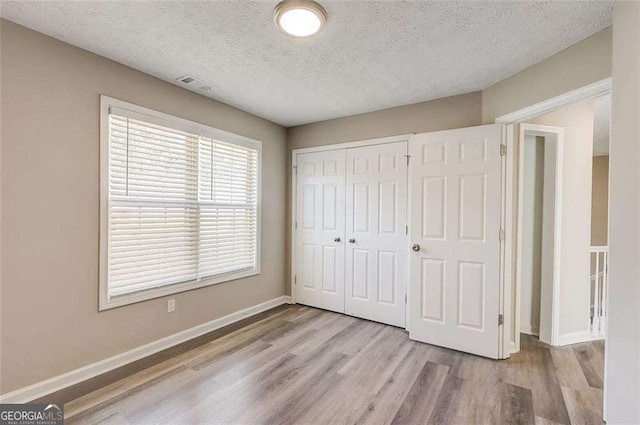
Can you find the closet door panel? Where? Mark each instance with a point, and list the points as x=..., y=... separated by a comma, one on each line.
x=320, y=225
x=376, y=249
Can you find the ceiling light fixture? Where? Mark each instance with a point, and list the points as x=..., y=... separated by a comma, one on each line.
x=299, y=18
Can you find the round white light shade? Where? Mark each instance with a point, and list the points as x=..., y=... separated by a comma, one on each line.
x=299, y=18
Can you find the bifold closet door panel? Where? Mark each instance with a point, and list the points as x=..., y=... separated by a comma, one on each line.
x=376, y=248
x=455, y=226
x=320, y=221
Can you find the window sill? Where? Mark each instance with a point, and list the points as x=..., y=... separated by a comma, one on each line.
x=107, y=303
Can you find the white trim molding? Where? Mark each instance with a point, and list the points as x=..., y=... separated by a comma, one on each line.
x=573, y=338
x=57, y=383
x=599, y=88
x=549, y=325
x=529, y=329
x=354, y=144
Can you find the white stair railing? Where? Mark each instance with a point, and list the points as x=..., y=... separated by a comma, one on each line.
x=598, y=286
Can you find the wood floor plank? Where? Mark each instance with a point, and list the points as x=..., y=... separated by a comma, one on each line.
x=446, y=408
x=221, y=361
x=544, y=421
x=355, y=337
x=421, y=399
x=383, y=406
x=542, y=380
x=516, y=406
x=323, y=361
x=335, y=408
x=134, y=399
x=479, y=403
x=568, y=369
x=228, y=404
x=467, y=366
x=381, y=357
x=584, y=406
x=227, y=399
x=591, y=361
x=323, y=334
x=308, y=395
x=110, y=392
x=300, y=365
x=599, y=346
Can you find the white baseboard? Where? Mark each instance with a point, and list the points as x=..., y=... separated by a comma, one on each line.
x=573, y=338
x=529, y=330
x=57, y=383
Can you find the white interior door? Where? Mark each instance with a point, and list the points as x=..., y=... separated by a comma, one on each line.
x=455, y=223
x=376, y=249
x=320, y=206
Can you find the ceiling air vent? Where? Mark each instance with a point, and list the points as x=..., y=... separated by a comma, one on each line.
x=195, y=83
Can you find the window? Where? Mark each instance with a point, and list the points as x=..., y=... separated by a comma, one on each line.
x=179, y=205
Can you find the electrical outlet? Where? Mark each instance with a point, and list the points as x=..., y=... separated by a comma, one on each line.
x=171, y=305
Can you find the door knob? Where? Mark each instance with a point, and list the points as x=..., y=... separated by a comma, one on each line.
x=352, y=240
x=336, y=239
x=415, y=247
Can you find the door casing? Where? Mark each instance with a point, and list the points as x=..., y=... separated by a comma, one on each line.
x=511, y=121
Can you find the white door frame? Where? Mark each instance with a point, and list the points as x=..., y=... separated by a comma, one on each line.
x=557, y=133
x=334, y=146
x=597, y=89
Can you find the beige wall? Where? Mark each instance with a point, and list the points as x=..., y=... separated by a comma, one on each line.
x=50, y=169
x=577, y=121
x=600, y=200
x=577, y=66
x=622, y=356
x=435, y=115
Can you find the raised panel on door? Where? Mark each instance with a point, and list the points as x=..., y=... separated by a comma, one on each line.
x=454, y=284
x=320, y=207
x=376, y=249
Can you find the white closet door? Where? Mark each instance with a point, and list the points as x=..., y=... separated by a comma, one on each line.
x=320, y=206
x=455, y=223
x=376, y=258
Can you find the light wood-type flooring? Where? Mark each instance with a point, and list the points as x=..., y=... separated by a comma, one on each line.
x=301, y=365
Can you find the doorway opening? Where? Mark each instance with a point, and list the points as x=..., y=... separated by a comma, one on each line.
x=561, y=237
x=540, y=166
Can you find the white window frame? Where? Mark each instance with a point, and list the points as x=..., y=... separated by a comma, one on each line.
x=149, y=115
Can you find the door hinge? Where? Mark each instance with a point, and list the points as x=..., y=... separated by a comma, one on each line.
x=501, y=235
x=296, y=169
x=406, y=230
x=405, y=298
x=503, y=150
x=295, y=225
x=408, y=156
x=295, y=279
x=500, y=319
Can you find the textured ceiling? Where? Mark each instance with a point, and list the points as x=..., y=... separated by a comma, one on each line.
x=601, y=125
x=371, y=54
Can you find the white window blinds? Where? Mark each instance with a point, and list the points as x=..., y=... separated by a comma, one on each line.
x=227, y=207
x=181, y=206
